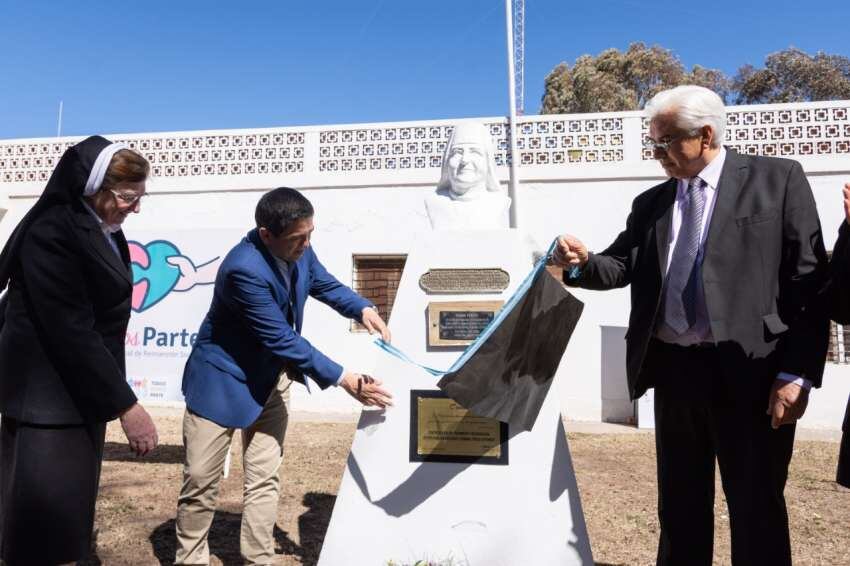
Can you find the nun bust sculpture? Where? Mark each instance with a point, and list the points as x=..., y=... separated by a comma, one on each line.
x=468, y=196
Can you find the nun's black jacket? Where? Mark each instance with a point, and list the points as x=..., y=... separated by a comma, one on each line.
x=66, y=313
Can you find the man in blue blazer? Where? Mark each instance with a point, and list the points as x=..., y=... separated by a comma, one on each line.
x=248, y=351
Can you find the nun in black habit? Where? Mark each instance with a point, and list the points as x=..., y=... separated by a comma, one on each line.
x=63, y=320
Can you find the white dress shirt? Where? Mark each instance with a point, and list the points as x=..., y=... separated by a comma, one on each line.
x=701, y=330
x=107, y=229
x=285, y=270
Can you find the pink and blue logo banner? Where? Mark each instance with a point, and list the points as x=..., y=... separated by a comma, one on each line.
x=173, y=275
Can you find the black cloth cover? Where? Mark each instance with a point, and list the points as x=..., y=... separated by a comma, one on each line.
x=508, y=377
x=843, y=473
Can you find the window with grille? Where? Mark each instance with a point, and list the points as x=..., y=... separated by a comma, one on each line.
x=376, y=278
x=839, y=343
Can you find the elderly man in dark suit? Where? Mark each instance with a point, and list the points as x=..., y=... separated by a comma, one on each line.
x=722, y=259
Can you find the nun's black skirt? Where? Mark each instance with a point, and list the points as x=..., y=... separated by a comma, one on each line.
x=49, y=477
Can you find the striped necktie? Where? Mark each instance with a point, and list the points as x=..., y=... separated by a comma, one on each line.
x=683, y=274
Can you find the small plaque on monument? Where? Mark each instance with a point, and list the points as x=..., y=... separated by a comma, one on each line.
x=459, y=323
x=443, y=431
x=486, y=280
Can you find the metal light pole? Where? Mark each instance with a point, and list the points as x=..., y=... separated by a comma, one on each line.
x=514, y=181
x=59, y=123
x=519, y=55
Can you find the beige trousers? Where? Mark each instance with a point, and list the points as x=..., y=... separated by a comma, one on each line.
x=207, y=445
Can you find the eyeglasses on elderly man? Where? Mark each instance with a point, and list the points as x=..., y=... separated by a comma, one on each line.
x=664, y=143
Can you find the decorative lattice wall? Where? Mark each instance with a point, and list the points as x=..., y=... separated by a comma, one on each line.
x=785, y=132
x=542, y=141
x=792, y=130
x=171, y=156
x=413, y=147
x=559, y=140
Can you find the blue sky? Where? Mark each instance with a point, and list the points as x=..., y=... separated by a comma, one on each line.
x=125, y=67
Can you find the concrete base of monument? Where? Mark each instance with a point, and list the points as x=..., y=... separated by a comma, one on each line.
x=392, y=510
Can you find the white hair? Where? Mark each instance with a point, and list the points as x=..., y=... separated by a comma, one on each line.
x=694, y=107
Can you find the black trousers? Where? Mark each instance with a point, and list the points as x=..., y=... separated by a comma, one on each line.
x=843, y=473
x=708, y=410
x=49, y=477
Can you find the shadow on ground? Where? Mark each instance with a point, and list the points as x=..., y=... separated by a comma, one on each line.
x=162, y=454
x=224, y=535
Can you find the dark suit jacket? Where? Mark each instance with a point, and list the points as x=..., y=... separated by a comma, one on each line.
x=838, y=280
x=67, y=308
x=837, y=292
x=252, y=331
x=764, y=260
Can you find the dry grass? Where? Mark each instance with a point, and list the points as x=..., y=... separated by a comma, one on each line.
x=616, y=476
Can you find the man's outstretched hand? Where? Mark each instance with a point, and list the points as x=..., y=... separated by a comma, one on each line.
x=374, y=323
x=570, y=252
x=366, y=389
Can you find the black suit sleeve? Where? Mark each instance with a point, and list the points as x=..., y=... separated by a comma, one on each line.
x=803, y=347
x=837, y=289
x=611, y=268
x=64, y=319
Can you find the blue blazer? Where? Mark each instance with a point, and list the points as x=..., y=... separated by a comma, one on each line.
x=246, y=338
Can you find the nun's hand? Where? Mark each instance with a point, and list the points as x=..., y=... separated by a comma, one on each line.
x=139, y=430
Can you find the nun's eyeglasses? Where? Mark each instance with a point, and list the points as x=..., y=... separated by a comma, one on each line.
x=128, y=198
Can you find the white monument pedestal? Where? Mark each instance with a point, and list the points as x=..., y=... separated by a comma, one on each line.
x=390, y=510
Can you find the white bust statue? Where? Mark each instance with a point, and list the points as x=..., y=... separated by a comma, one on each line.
x=468, y=196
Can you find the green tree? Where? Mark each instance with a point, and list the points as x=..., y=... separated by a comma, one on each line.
x=710, y=78
x=792, y=75
x=615, y=80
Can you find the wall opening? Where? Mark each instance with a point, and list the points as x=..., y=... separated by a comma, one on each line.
x=376, y=278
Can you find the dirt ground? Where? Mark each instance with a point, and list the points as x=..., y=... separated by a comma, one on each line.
x=615, y=472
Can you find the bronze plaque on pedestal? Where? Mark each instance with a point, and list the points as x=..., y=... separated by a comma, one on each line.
x=458, y=323
x=460, y=281
x=443, y=431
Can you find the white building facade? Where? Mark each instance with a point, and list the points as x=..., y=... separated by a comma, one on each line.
x=578, y=174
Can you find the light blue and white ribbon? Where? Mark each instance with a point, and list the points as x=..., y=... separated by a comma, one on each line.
x=488, y=330
x=390, y=349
